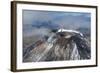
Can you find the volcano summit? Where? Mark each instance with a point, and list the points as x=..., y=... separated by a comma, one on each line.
x=62, y=45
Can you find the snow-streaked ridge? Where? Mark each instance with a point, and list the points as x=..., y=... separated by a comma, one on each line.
x=71, y=31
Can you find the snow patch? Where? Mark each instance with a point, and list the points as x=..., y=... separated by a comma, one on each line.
x=71, y=31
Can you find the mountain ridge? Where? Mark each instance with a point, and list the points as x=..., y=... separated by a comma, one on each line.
x=63, y=45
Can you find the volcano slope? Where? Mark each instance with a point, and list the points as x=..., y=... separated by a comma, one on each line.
x=63, y=45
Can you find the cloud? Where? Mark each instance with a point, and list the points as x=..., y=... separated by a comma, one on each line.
x=37, y=32
x=70, y=20
x=30, y=16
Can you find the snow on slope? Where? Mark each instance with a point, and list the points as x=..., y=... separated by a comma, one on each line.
x=71, y=31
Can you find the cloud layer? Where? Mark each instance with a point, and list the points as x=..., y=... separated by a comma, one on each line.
x=52, y=19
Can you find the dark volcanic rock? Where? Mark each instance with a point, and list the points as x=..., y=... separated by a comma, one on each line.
x=63, y=45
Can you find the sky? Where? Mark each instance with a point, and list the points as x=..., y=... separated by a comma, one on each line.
x=54, y=19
